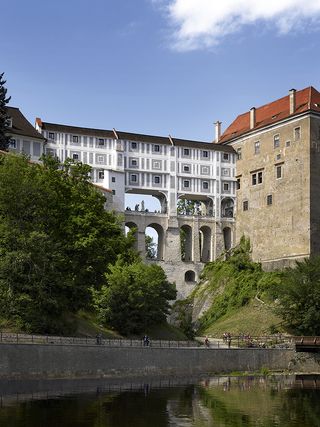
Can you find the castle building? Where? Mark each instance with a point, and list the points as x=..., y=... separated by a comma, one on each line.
x=169, y=169
x=278, y=177
x=165, y=167
x=24, y=138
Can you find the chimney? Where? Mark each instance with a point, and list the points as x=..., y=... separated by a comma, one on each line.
x=38, y=124
x=252, y=117
x=217, y=127
x=292, y=98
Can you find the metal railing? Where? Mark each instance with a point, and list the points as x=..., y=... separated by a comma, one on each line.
x=7, y=338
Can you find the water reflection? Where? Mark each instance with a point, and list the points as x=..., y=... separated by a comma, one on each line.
x=220, y=401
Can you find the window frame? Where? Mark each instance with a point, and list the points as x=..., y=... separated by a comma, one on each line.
x=50, y=135
x=276, y=141
x=75, y=138
x=298, y=128
x=257, y=147
x=99, y=174
x=279, y=168
x=245, y=205
x=269, y=200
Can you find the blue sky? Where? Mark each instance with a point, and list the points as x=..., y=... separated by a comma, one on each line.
x=155, y=66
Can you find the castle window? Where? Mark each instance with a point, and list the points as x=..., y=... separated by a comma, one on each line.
x=186, y=184
x=101, y=142
x=245, y=205
x=205, y=154
x=51, y=135
x=114, y=192
x=113, y=179
x=257, y=147
x=101, y=174
x=238, y=183
x=75, y=138
x=157, y=179
x=276, y=141
x=288, y=143
x=225, y=186
x=133, y=178
x=297, y=133
x=133, y=163
x=239, y=154
x=156, y=148
x=226, y=156
x=75, y=156
x=100, y=159
x=279, y=172
x=256, y=178
x=186, y=152
x=205, y=185
x=269, y=199
x=134, y=145
x=278, y=156
x=186, y=168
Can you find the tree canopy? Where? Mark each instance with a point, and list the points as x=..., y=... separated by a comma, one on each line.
x=299, y=297
x=4, y=138
x=56, y=240
x=135, y=297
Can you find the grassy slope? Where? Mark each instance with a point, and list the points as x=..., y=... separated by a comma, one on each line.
x=254, y=319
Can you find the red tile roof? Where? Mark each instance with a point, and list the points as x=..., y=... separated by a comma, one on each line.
x=306, y=100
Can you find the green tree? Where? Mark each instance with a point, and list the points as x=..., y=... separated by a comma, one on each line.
x=4, y=138
x=186, y=207
x=56, y=241
x=136, y=297
x=151, y=247
x=299, y=297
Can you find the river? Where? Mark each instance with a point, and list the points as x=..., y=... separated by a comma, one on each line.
x=286, y=401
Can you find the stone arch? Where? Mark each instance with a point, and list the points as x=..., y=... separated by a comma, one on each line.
x=227, y=207
x=134, y=228
x=186, y=243
x=160, y=242
x=190, y=276
x=227, y=238
x=205, y=243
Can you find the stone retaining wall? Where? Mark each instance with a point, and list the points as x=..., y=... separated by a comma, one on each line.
x=27, y=361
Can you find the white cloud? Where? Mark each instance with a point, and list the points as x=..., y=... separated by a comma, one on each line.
x=203, y=23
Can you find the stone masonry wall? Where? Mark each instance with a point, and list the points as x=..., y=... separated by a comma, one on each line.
x=22, y=361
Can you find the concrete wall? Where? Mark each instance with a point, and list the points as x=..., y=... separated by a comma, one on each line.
x=22, y=361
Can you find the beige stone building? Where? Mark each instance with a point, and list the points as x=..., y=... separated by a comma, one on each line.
x=278, y=173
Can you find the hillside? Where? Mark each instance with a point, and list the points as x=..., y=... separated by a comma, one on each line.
x=234, y=295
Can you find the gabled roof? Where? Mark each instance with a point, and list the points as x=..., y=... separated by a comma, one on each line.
x=307, y=99
x=129, y=136
x=20, y=125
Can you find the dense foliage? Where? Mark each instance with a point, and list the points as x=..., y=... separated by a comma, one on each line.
x=56, y=240
x=4, y=138
x=234, y=282
x=299, y=297
x=135, y=297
